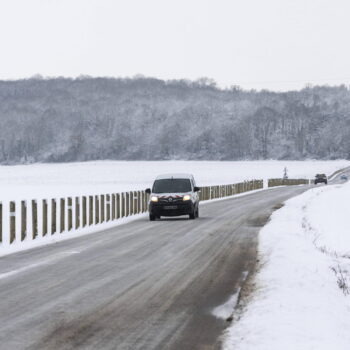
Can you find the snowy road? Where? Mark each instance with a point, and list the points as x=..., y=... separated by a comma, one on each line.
x=143, y=285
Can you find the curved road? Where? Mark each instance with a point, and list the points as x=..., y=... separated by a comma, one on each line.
x=143, y=285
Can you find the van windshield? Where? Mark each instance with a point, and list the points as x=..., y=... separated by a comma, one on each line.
x=172, y=186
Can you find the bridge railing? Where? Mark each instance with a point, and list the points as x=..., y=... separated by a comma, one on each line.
x=24, y=221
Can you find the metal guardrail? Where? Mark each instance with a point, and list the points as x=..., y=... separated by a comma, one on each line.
x=32, y=219
x=29, y=220
x=213, y=192
x=287, y=182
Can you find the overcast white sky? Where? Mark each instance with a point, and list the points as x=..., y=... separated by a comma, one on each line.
x=275, y=44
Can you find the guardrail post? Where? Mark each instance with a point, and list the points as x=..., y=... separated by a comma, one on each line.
x=53, y=216
x=91, y=210
x=84, y=211
x=123, y=204
x=12, y=221
x=23, y=220
x=117, y=204
x=102, y=208
x=113, y=206
x=135, y=202
x=44, y=217
x=34, y=218
x=97, y=210
x=127, y=202
x=145, y=201
x=131, y=203
x=142, y=201
x=108, y=206
x=77, y=212
x=70, y=213
x=62, y=214
x=139, y=202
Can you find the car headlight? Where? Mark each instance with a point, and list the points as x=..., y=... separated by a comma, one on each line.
x=154, y=199
x=187, y=197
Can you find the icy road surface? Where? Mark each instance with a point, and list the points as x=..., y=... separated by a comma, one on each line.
x=143, y=285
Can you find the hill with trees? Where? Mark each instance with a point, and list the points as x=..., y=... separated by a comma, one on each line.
x=61, y=120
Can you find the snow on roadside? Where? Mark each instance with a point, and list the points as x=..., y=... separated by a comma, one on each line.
x=59, y=237
x=297, y=302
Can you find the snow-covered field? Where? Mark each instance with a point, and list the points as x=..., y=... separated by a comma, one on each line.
x=301, y=300
x=47, y=181
x=72, y=179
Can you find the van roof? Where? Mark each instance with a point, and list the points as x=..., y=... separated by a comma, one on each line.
x=174, y=176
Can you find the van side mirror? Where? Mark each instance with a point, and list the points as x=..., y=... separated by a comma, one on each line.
x=148, y=190
x=197, y=189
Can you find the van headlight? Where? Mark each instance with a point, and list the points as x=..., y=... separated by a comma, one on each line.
x=187, y=197
x=154, y=199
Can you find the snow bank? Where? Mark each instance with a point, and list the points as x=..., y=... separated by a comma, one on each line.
x=298, y=303
x=29, y=243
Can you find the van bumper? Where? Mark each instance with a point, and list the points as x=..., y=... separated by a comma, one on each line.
x=177, y=209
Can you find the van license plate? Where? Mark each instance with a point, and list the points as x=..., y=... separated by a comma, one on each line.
x=170, y=207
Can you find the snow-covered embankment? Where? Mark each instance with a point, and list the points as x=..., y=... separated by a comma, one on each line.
x=301, y=301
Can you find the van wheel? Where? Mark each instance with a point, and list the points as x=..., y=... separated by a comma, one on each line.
x=192, y=216
x=152, y=217
x=197, y=213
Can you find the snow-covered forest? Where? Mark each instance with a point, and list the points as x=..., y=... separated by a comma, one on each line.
x=58, y=120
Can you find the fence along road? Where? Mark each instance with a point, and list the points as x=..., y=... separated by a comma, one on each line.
x=26, y=222
x=31, y=221
x=143, y=285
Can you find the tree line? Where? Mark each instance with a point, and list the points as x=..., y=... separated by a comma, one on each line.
x=64, y=120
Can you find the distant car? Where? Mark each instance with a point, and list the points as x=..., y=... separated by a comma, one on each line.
x=320, y=178
x=173, y=195
x=344, y=177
